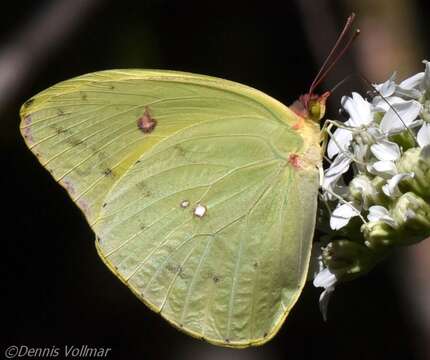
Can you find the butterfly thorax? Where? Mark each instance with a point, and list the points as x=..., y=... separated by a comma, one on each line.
x=310, y=109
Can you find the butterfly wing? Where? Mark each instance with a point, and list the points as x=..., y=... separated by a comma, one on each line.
x=202, y=192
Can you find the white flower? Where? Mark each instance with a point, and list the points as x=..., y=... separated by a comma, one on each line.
x=400, y=116
x=385, y=169
x=340, y=142
x=383, y=105
x=423, y=136
x=409, y=87
x=362, y=189
x=391, y=188
x=341, y=216
x=360, y=114
x=358, y=109
x=386, y=152
x=327, y=280
x=415, y=86
x=337, y=168
x=387, y=88
x=367, y=143
x=380, y=213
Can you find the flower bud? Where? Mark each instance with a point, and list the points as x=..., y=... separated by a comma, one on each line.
x=366, y=191
x=348, y=259
x=412, y=215
x=417, y=161
x=379, y=235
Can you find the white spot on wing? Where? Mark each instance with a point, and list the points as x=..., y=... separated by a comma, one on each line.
x=200, y=210
x=185, y=204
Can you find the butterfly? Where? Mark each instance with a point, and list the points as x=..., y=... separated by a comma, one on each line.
x=202, y=192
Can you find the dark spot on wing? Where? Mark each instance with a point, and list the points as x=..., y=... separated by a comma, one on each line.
x=172, y=267
x=146, y=123
x=176, y=269
x=28, y=102
x=111, y=87
x=108, y=172
x=265, y=334
x=84, y=96
x=104, y=205
x=216, y=279
x=179, y=149
x=59, y=130
x=227, y=341
x=141, y=186
x=255, y=265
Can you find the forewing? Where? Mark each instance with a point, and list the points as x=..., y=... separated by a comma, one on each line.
x=85, y=130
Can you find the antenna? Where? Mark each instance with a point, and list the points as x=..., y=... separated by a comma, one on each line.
x=332, y=58
x=341, y=82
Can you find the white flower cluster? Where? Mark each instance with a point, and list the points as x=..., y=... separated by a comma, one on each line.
x=370, y=157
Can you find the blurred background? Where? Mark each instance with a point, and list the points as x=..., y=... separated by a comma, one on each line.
x=56, y=291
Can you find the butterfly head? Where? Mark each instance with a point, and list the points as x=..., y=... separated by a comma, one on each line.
x=316, y=105
x=311, y=106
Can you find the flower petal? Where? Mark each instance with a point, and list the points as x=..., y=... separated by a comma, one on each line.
x=400, y=116
x=324, y=300
x=325, y=278
x=386, y=150
x=339, y=166
x=341, y=215
x=343, y=138
x=388, y=87
x=425, y=153
x=383, y=168
x=412, y=82
x=423, y=136
x=380, y=213
x=391, y=189
x=358, y=110
x=380, y=104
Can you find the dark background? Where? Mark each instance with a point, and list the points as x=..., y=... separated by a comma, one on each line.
x=56, y=290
